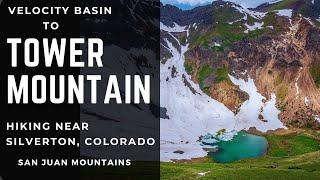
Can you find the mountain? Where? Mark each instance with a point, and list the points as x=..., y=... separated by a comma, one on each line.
x=228, y=68
x=307, y=8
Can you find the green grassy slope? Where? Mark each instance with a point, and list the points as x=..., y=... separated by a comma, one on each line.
x=299, y=158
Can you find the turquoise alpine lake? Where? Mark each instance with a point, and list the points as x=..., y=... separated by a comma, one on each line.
x=243, y=145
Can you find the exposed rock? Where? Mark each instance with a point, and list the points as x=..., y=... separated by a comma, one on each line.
x=260, y=117
x=163, y=113
x=178, y=152
x=173, y=72
x=186, y=83
x=228, y=94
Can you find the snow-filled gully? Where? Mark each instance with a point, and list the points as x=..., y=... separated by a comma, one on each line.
x=193, y=114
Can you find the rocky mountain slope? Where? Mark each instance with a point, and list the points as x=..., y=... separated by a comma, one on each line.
x=278, y=48
x=261, y=64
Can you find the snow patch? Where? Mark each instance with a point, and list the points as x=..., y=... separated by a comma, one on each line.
x=244, y=72
x=271, y=113
x=310, y=21
x=195, y=26
x=217, y=44
x=191, y=114
x=317, y=118
x=255, y=26
x=250, y=109
x=254, y=14
x=275, y=1
x=203, y=173
x=284, y=12
x=271, y=27
x=306, y=101
x=175, y=28
x=296, y=83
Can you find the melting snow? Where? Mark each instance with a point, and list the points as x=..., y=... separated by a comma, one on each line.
x=217, y=44
x=306, y=101
x=317, y=118
x=271, y=27
x=310, y=21
x=195, y=26
x=271, y=113
x=275, y=1
x=285, y=12
x=256, y=26
x=203, y=173
x=250, y=109
x=296, y=83
x=175, y=28
x=191, y=114
x=244, y=72
x=226, y=136
x=254, y=14
x=216, y=137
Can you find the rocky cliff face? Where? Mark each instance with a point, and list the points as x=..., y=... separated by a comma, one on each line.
x=284, y=65
x=277, y=45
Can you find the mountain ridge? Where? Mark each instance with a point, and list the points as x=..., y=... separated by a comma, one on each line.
x=217, y=42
